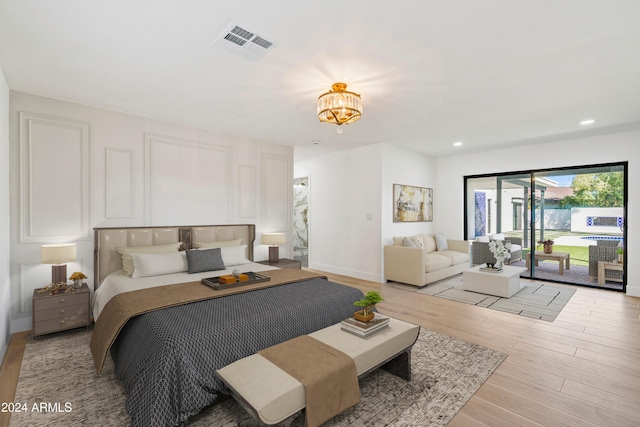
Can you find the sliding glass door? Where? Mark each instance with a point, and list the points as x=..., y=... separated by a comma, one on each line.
x=570, y=221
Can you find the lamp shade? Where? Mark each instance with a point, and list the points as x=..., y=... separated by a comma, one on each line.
x=58, y=253
x=274, y=239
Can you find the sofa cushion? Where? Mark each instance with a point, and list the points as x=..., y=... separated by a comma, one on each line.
x=483, y=239
x=455, y=257
x=515, y=248
x=497, y=236
x=435, y=261
x=398, y=241
x=429, y=243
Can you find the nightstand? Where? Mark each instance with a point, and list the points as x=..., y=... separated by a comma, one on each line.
x=283, y=263
x=59, y=312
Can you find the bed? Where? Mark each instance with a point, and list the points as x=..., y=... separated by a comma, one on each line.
x=166, y=352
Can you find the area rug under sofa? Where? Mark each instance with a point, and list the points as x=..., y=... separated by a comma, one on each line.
x=536, y=299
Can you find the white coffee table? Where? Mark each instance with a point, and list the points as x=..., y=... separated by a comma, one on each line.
x=503, y=284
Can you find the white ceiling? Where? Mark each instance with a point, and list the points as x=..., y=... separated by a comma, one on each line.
x=488, y=73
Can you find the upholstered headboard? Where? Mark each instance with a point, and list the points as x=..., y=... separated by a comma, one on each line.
x=107, y=240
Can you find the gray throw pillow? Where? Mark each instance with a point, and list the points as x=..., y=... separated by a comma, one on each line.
x=204, y=260
x=441, y=242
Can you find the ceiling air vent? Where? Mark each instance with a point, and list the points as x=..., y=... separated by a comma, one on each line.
x=245, y=43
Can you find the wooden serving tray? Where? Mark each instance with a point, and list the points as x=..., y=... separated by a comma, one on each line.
x=214, y=282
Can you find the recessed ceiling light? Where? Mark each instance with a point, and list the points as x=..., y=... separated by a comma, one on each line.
x=457, y=143
x=587, y=122
x=315, y=142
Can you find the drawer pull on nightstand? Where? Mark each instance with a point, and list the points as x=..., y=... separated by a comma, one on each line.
x=61, y=299
x=62, y=322
x=62, y=311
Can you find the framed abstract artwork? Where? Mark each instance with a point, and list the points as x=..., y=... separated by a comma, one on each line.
x=412, y=204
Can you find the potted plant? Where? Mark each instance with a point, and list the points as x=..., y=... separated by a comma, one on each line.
x=620, y=253
x=368, y=303
x=548, y=245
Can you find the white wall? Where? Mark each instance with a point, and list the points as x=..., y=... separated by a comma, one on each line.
x=5, y=253
x=579, y=220
x=344, y=211
x=574, y=152
x=405, y=167
x=351, y=208
x=75, y=167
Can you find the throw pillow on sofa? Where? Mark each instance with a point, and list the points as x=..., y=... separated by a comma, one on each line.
x=408, y=243
x=417, y=241
x=441, y=242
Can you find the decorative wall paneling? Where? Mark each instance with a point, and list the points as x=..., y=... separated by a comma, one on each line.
x=247, y=191
x=75, y=167
x=120, y=183
x=187, y=182
x=55, y=179
x=277, y=190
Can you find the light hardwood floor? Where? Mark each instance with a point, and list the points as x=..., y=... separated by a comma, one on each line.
x=583, y=369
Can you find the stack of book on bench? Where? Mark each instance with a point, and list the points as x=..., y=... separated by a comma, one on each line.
x=363, y=329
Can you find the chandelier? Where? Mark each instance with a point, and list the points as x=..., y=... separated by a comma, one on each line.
x=339, y=106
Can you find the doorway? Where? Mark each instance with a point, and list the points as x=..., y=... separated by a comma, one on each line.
x=301, y=220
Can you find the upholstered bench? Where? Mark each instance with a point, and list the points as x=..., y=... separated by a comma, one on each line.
x=271, y=395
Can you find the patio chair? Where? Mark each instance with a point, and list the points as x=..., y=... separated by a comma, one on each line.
x=480, y=253
x=604, y=250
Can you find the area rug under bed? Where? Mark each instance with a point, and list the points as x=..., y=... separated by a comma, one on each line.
x=58, y=370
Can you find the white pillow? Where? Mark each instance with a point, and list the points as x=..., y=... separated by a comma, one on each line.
x=234, y=255
x=157, y=264
x=441, y=242
x=497, y=236
x=126, y=252
x=213, y=245
x=408, y=242
x=483, y=239
x=417, y=240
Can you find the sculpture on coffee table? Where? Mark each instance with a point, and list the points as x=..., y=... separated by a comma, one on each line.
x=500, y=251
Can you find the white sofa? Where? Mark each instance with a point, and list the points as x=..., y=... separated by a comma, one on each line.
x=416, y=260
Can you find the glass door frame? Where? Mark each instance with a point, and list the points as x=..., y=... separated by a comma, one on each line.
x=529, y=205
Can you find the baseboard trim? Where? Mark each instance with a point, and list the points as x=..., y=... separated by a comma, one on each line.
x=633, y=291
x=347, y=272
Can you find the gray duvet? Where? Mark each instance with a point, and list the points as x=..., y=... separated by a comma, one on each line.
x=166, y=358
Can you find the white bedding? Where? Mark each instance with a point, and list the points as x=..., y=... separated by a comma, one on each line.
x=118, y=282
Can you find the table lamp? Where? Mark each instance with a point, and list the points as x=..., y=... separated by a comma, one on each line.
x=274, y=240
x=58, y=254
